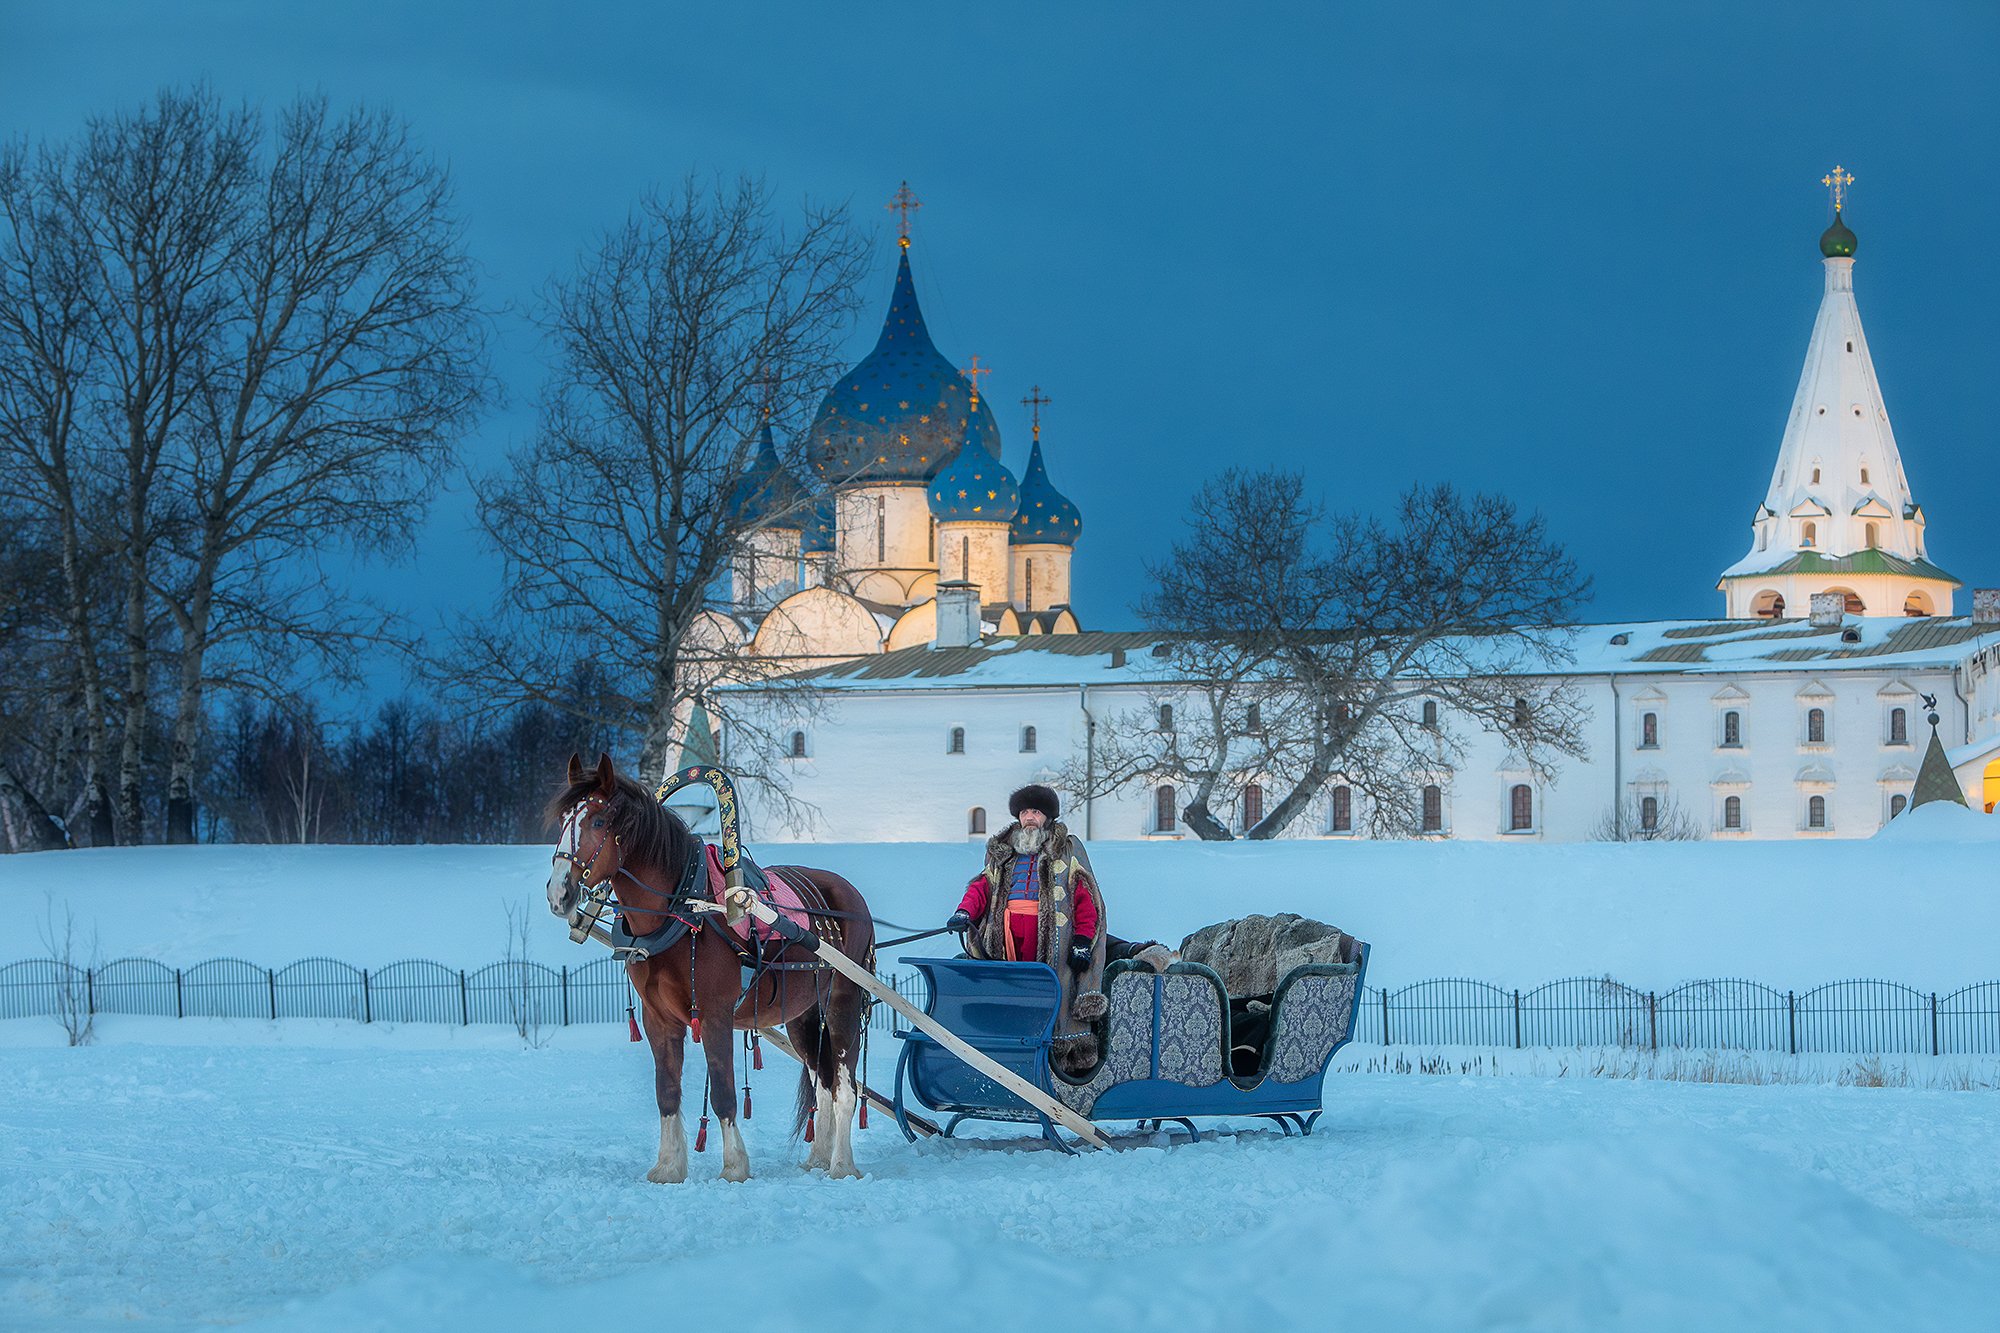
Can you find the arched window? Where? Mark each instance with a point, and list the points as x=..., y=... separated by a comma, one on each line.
x=1521, y=713
x=1864, y=476
x=1899, y=727
x=1430, y=712
x=1253, y=717
x=1433, y=809
x=1916, y=604
x=965, y=558
x=1855, y=606
x=881, y=530
x=1166, y=717
x=1343, y=810
x=1815, y=726
x=1732, y=812
x=1027, y=740
x=930, y=545
x=1163, y=808
x=1649, y=814
x=1816, y=812
x=1649, y=731
x=1898, y=804
x=1253, y=806
x=1809, y=534
x=1874, y=531
x=1768, y=605
x=1732, y=728
x=1028, y=584
x=956, y=745
x=975, y=819
x=798, y=745
x=1815, y=474
x=1521, y=807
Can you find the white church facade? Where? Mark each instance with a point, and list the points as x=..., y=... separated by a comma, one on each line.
x=951, y=674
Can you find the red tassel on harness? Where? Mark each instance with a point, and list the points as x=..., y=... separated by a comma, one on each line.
x=809, y=1126
x=756, y=1053
x=746, y=1101
x=864, y=1113
x=695, y=1025
x=633, y=1021
x=701, y=1136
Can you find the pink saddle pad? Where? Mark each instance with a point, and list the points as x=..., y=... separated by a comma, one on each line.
x=780, y=895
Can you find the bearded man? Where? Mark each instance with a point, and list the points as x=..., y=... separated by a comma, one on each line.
x=1037, y=901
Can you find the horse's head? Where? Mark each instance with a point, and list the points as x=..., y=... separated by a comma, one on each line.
x=588, y=848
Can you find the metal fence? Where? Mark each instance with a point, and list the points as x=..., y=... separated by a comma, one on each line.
x=1861, y=1017
x=416, y=990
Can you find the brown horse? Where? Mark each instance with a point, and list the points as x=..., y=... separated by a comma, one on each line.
x=613, y=830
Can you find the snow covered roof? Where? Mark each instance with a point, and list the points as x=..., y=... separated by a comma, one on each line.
x=1104, y=657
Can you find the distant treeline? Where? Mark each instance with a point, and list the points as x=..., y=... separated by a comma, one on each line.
x=410, y=774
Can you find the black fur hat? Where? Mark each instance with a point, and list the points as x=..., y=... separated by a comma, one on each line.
x=1034, y=796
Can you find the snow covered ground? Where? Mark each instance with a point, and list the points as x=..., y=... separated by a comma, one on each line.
x=310, y=1175
x=326, y=1176
x=1919, y=904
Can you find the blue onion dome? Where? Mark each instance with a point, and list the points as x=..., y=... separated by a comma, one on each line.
x=766, y=493
x=900, y=413
x=1837, y=242
x=1046, y=515
x=974, y=487
x=821, y=526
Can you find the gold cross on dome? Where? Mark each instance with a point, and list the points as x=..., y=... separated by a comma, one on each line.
x=1838, y=180
x=904, y=204
x=973, y=372
x=1035, y=402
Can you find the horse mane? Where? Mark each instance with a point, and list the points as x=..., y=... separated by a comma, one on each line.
x=648, y=833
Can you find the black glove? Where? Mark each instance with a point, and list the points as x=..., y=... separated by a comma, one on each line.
x=1079, y=953
x=961, y=921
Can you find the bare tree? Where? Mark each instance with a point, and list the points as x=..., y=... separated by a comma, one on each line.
x=1651, y=817
x=325, y=407
x=1305, y=651
x=678, y=334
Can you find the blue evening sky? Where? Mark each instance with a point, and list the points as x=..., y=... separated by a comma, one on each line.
x=1565, y=251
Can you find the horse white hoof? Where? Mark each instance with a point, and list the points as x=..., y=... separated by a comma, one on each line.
x=848, y=1172
x=662, y=1174
x=736, y=1174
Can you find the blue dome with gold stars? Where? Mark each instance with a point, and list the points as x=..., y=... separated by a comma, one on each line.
x=899, y=414
x=1046, y=515
x=974, y=485
x=766, y=493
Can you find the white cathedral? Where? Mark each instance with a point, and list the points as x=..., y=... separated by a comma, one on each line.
x=929, y=598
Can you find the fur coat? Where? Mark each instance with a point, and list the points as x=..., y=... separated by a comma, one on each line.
x=1064, y=863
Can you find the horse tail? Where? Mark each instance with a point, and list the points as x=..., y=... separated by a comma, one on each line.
x=809, y=1059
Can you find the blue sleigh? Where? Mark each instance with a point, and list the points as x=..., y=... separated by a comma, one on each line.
x=1167, y=1050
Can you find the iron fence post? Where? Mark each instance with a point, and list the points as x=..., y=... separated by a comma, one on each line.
x=367, y=1004
x=1653, y=1020
x=271, y=979
x=180, y=1003
x=89, y=990
x=1385, y=1018
x=565, y=994
x=1934, y=1031
x=464, y=1007
x=1792, y=1022
x=1517, y=1020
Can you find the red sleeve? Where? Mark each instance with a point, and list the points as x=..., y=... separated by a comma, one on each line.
x=1086, y=907
x=973, y=904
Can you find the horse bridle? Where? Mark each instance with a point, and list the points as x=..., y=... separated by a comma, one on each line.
x=595, y=896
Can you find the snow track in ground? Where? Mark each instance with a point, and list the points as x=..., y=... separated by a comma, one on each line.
x=321, y=1176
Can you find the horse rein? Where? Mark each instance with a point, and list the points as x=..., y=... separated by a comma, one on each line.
x=596, y=893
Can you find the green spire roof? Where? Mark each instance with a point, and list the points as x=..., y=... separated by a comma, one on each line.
x=1934, y=780
x=698, y=745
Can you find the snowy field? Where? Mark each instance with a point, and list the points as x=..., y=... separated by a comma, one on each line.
x=313, y=1175
x=1919, y=904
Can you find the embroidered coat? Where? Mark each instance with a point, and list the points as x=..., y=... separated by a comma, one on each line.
x=1065, y=866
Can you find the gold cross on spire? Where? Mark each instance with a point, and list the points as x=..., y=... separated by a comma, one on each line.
x=905, y=203
x=1035, y=402
x=973, y=372
x=1838, y=180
